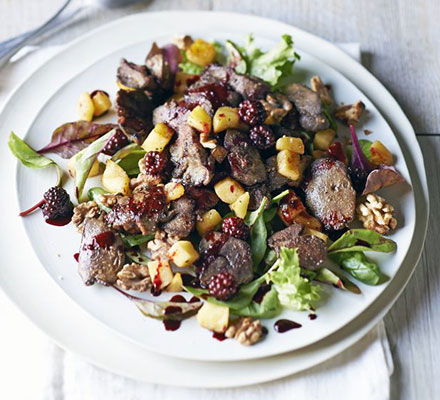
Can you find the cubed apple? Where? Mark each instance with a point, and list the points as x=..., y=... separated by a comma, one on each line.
x=174, y=191
x=323, y=139
x=208, y=222
x=183, y=254
x=176, y=285
x=226, y=118
x=288, y=164
x=201, y=53
x=161, y=273
x=158, y=138
x=213, y=317
x=85, y=107
x=240, y=205
x=307, y=220
x=228, y=190
x=115, y=179
x=200, y=120
x=290, y=143
x=380, y=155
x=101, y=101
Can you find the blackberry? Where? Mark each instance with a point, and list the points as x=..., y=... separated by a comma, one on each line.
x=236, y=227
x=262, y=136
x=155, y=162
x=222, y=286
x=56, y=203
x=252, y=112
x=116, y=142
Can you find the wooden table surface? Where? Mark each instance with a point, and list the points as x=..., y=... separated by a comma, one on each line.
x=400, y=43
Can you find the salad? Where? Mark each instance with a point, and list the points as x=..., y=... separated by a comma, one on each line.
x=222, y=178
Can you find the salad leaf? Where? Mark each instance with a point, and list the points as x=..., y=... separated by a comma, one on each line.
x=326, y=275
x=219, y=49
x=84, y=160
x=68, y=139
x=365, y=147
x=157, y=309
x=258, y=237
x=329, y=116
x=252, y=216
x=358, y=266
x=360, y=167
x=273, y=66
x=294, y=291
x=189, y=67
x=173, y=56
x=29, y=157
x=236, y=59
x=269, y=307
x=128, y=158
x=136, y=240
x=95, y=195
x=270, y=213
x=137, y=257
x=382, y=177
x=362, y=240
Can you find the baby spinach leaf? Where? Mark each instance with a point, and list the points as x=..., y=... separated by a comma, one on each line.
x=136, y=240
x=95, y=195
x=258, y=237
x=128, y=158
x=68, y=139
x=358, y=266
x=326, y=275
x=252, y=216
x=269, y=307
x=29, y=157
x=84, y=160
x=362, y=240
x=137, y=257
x=271, y=212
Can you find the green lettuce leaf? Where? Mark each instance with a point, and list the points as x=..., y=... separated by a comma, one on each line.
x=274, y=66
x=29, y=157
x=360, y=267
x=269, y=307
x=95, y=195
x=84, y=160
x=326, y=275
x=128, y=158
x=136, y=240
x=294, y=291
x=362, y=240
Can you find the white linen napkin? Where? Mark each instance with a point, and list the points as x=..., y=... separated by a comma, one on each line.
x=363, y=371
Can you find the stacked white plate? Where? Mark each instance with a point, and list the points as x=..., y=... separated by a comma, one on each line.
x=38, y=270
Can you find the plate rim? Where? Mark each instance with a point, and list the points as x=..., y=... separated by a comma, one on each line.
x=287, y=27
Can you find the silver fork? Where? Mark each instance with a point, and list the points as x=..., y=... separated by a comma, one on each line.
x=11, y=46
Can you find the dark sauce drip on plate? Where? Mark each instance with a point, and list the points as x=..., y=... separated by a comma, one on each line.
x=284, y=325
x=76, y=257
x=312, y=317
x=58, y=221
x=171, y=325
x=219, y=336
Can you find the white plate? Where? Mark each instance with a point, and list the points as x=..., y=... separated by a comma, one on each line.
x=62, y=67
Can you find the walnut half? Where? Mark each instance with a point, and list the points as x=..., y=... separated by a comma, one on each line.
x=245, y=331
x=134, y=277
x=376, y=214
x=82, y=211
x=350, y=114
x=323, y=91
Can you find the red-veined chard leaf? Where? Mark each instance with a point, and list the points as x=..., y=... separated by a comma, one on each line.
x=70, y=138
x=382, y=177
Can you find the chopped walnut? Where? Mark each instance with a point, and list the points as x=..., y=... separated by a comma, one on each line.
x=143, y=181
x=246, y=330
x=350, y=114
x=323, y=91
x=134, y=277
x=82, y=211
x=109, y=200
x=219, y=154
x=160, y=245
x=277, y=106
x=207, y=142
x=376, y=214
x=182, y=42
